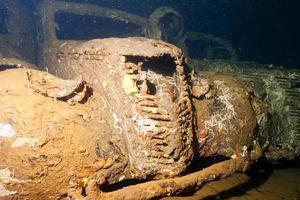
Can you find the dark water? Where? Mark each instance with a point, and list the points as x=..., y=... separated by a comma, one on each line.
x=263, y=31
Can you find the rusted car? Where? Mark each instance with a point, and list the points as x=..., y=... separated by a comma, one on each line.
x=128, y=116
x=130, y=119
x=131, y=115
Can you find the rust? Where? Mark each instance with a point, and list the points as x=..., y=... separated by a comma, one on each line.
x=141, y=121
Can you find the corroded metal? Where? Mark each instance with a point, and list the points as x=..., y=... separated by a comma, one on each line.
x=157, y=126
x=129, y=111
x=278, y=88
x=137, y=114
x=41, y=137
x=48, y=85
x=226, y=121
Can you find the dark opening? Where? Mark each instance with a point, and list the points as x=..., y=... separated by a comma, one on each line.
x=195, y=167
x=3, y=20
x=162, y=65
x=200, y=163
x=85, y=27
x=120, y=185
x=151, y=87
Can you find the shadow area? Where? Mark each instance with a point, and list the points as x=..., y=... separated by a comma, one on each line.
x=258, y=174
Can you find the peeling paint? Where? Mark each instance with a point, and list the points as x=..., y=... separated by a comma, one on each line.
x=129, y=85
x=5, y=176
x=144, y=124
x=31, y=142
x=117, y=122
x=6, y=130
x=4, y=192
